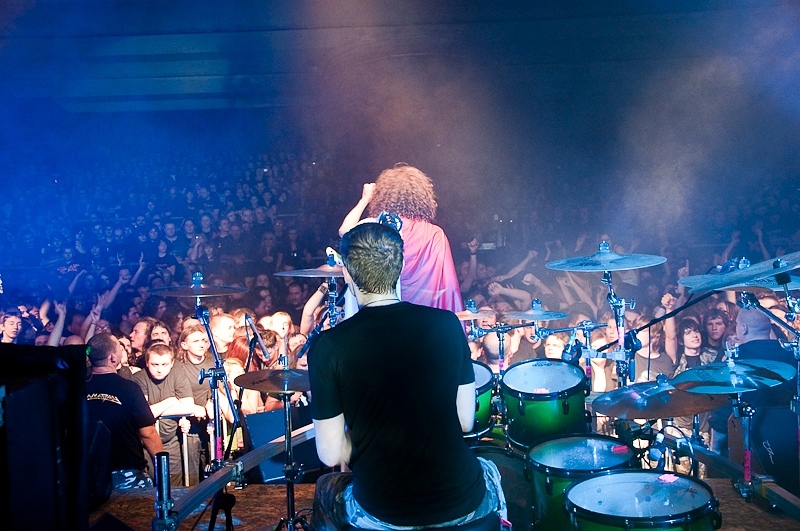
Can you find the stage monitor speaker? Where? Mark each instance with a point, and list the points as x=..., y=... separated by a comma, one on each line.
x=42, y=434
x=261, y=428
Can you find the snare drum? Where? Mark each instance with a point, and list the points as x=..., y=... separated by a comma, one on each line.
x=557, y=463
x=484, y=385
x=543, y=398
x=644, y=499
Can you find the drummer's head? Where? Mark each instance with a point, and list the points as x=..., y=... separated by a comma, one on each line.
x=373, y=257
x=752, y=324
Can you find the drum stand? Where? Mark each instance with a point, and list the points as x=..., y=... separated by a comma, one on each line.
x=743, y=411
x=618, y=305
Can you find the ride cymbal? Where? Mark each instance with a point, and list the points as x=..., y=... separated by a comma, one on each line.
x=605, y=260
x=281, y=381
x=535, y=315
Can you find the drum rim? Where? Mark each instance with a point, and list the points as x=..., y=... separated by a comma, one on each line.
x=692, y=515
x=516, y=393
x=492, y=448
x=570, y=472
x=492, y=377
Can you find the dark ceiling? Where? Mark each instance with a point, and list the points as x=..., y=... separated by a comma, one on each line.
x=667, y=102
x=140, y=55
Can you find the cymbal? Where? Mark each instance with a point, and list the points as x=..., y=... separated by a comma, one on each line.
x=654, y=400
x=741, y=277
x=323, y=271
x=466, y=315
x=281, y=381
x=722, y=378
x=762, y=284
x=535, y=315
x=201, y=290
x=606, y=260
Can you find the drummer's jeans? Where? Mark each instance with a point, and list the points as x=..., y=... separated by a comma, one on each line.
x=335, y=508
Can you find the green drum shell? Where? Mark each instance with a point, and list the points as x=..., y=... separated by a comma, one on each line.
x=550, y=481
x=532, y=417
x=701, y=517
x=484, y=421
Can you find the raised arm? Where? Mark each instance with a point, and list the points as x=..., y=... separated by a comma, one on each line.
x=354, y=216
x=517, y=269
x=58, y=329
x=671, y=343
x=307, y=322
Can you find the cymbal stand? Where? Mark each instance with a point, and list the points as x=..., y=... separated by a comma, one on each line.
x=618, y=305
x=743, y=411
x=476, y=332
x=291, y=472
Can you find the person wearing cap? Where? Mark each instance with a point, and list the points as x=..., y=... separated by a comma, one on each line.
x=121, y=406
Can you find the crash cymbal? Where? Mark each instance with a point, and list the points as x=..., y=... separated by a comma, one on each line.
x=200, y=290
x=281, y=381
x=724, y=378
x=605, y=260
x=535, y=315
x=467, y=315
x=654, y=400
x=760, y=285
x=323, y=271
x=755, y=273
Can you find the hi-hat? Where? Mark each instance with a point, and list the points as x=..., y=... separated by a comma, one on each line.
x=605, y=260
x=753, y=276
x=467, y=315
x=736, y=376
x=200, y=290
x=281, y=381
x=323, y=271
x=654, y=400
x=759, y=285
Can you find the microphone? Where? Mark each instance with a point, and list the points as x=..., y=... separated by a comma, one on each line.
x=658, y=451
x=249, y=320
x=573, y=349
x=630, y=431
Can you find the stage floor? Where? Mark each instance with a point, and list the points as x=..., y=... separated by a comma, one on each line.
x=259, y=508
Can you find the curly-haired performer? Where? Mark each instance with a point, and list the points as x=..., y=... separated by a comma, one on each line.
x=429, y=275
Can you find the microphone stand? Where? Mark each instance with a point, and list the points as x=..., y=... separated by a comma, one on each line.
x=222, y=500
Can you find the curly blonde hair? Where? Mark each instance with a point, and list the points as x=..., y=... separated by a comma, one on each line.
x=406, y=191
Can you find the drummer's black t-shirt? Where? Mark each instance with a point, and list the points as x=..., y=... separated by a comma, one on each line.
x=394, y=372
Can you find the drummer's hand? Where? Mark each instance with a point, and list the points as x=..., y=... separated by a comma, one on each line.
x=199, y=412
x=366, y=191
x=185, y=425
x=668, y=301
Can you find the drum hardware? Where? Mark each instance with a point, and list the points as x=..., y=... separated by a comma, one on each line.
x=536, y=313
x=198, y=290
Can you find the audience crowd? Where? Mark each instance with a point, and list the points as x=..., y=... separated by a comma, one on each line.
x=84, y=256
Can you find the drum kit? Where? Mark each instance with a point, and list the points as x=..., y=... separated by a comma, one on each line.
x=589, y=481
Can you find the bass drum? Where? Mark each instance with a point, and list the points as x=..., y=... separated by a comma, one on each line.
x=639, y=500
x=484, y=389
x=557, y=463
x=543, y=398
x=516, y=486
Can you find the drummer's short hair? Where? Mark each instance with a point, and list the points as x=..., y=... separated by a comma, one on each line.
x=373, y=255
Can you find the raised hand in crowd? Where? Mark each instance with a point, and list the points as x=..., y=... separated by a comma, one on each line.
x=58, y=329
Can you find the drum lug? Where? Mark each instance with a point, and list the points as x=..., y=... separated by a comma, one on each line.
x=548, y=485
x=477, y=401
x=716, y=517
x=521, y=407
x=565, y=407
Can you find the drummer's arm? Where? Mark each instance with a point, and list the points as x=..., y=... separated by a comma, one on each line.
x=465, y=404
x=352, y=218
x=333, y=440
